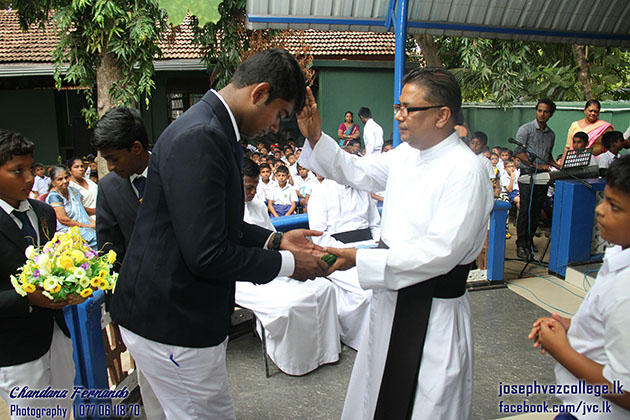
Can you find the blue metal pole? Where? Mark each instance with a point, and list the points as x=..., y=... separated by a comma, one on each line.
x=400, y=30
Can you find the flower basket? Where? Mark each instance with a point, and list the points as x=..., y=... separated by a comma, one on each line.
x=66, y=266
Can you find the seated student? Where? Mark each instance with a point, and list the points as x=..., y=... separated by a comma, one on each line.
x=504, y=155
x=41, y=184
x=36, y=351
x=266, y=184
x=302, y=184
x=66, y=201
x=613, y=142
x=299, y=318
x=346, y=216
x=594, y=346
x=283, y=199
x=355, y=147
x=509, y=183
x=292, y=165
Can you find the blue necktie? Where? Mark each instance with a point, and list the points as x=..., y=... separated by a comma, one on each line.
x=140, y=183
x=27, y=228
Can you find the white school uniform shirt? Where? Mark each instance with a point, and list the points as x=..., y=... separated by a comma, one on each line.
x=599, y=331
x=284, y=195
x=505, y=181
x=431, y=224
x=605, y=159
x=372, y=137
x=41, y=184
x=304, y=186
x=264, y=191
x=335, y=208
x=487, y=164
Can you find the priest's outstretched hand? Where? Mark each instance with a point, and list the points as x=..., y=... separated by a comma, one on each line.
x=309, y=119
x=346, y=259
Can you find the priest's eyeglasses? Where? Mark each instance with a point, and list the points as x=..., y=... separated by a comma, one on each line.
x=404, y=111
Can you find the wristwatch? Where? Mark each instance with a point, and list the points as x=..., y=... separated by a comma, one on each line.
x=275, y=242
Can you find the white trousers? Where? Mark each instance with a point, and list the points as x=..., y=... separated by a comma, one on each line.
x=188, y=383
x=54, y=369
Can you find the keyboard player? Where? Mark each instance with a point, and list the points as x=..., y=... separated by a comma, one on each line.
x=538, y=138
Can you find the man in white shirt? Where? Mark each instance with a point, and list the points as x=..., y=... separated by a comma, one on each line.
x=299, y=318
x=347, y=216
x=372, y=132
x=429, y=239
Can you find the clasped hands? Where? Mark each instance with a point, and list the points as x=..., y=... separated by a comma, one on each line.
x=307, y=255
x=550, y=333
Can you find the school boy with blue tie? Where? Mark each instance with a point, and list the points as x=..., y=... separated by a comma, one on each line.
x=35, y=350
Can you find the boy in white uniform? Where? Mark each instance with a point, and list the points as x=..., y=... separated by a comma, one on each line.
x=594, y=346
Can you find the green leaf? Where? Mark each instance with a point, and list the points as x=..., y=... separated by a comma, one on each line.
x=206, y=11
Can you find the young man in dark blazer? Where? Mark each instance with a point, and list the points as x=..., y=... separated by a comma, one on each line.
x=175, y=293
x=35, y=349
x=121, y=138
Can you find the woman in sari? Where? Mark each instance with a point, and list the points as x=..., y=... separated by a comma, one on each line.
x=66, y=201
x=591, y=125
x=348, y=131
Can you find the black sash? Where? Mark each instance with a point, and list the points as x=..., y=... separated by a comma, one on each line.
x=353, y=236
x=411, y=318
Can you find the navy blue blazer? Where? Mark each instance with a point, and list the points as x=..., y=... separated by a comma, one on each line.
x=190, y=243
x=116, y=211
x=25, y=334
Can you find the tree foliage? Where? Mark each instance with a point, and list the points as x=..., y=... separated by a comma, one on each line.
x=206, y=11
x=504, y=71
x=113, y=42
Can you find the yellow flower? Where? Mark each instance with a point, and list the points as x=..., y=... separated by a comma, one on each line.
x=85, y=292
x=103, y=273
x=29, y=288
x=56, y=289
x=104, y=284
x=77, y=256
x=111, y=257
x=65, y=262
x=95, y=281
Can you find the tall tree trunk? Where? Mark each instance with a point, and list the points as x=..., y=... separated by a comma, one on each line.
x=583, y=73
x=429, y=50
x=106, y=74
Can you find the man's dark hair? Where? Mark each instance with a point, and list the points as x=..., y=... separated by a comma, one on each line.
x=548, y=102
x=610, y=137
x=481, y=136
x=365, y=112
x=278, y=68
x=250, y=168
x=119, y=128
x=582, y=135
x=283, y=169
x=264, y=166
x=441, y=87
x=618, y=174
x=13, y=144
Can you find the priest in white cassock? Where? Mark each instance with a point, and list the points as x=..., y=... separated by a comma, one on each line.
x=299, y=318
x=415, y=362
x=347, y=217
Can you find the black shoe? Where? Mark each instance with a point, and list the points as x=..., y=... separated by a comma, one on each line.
x=523, y=253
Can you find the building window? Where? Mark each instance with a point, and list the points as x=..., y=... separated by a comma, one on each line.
x=178, y=103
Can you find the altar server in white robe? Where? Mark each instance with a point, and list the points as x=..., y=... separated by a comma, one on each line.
x=342, y=210
x=434, y=220
x=299, y=318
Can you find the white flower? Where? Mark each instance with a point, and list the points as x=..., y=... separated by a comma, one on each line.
x=48, y=295
x=30, y=252
x=17, y=287
x=79, y=272
x=43, y=263
x=84, y=282
x=71, y=279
